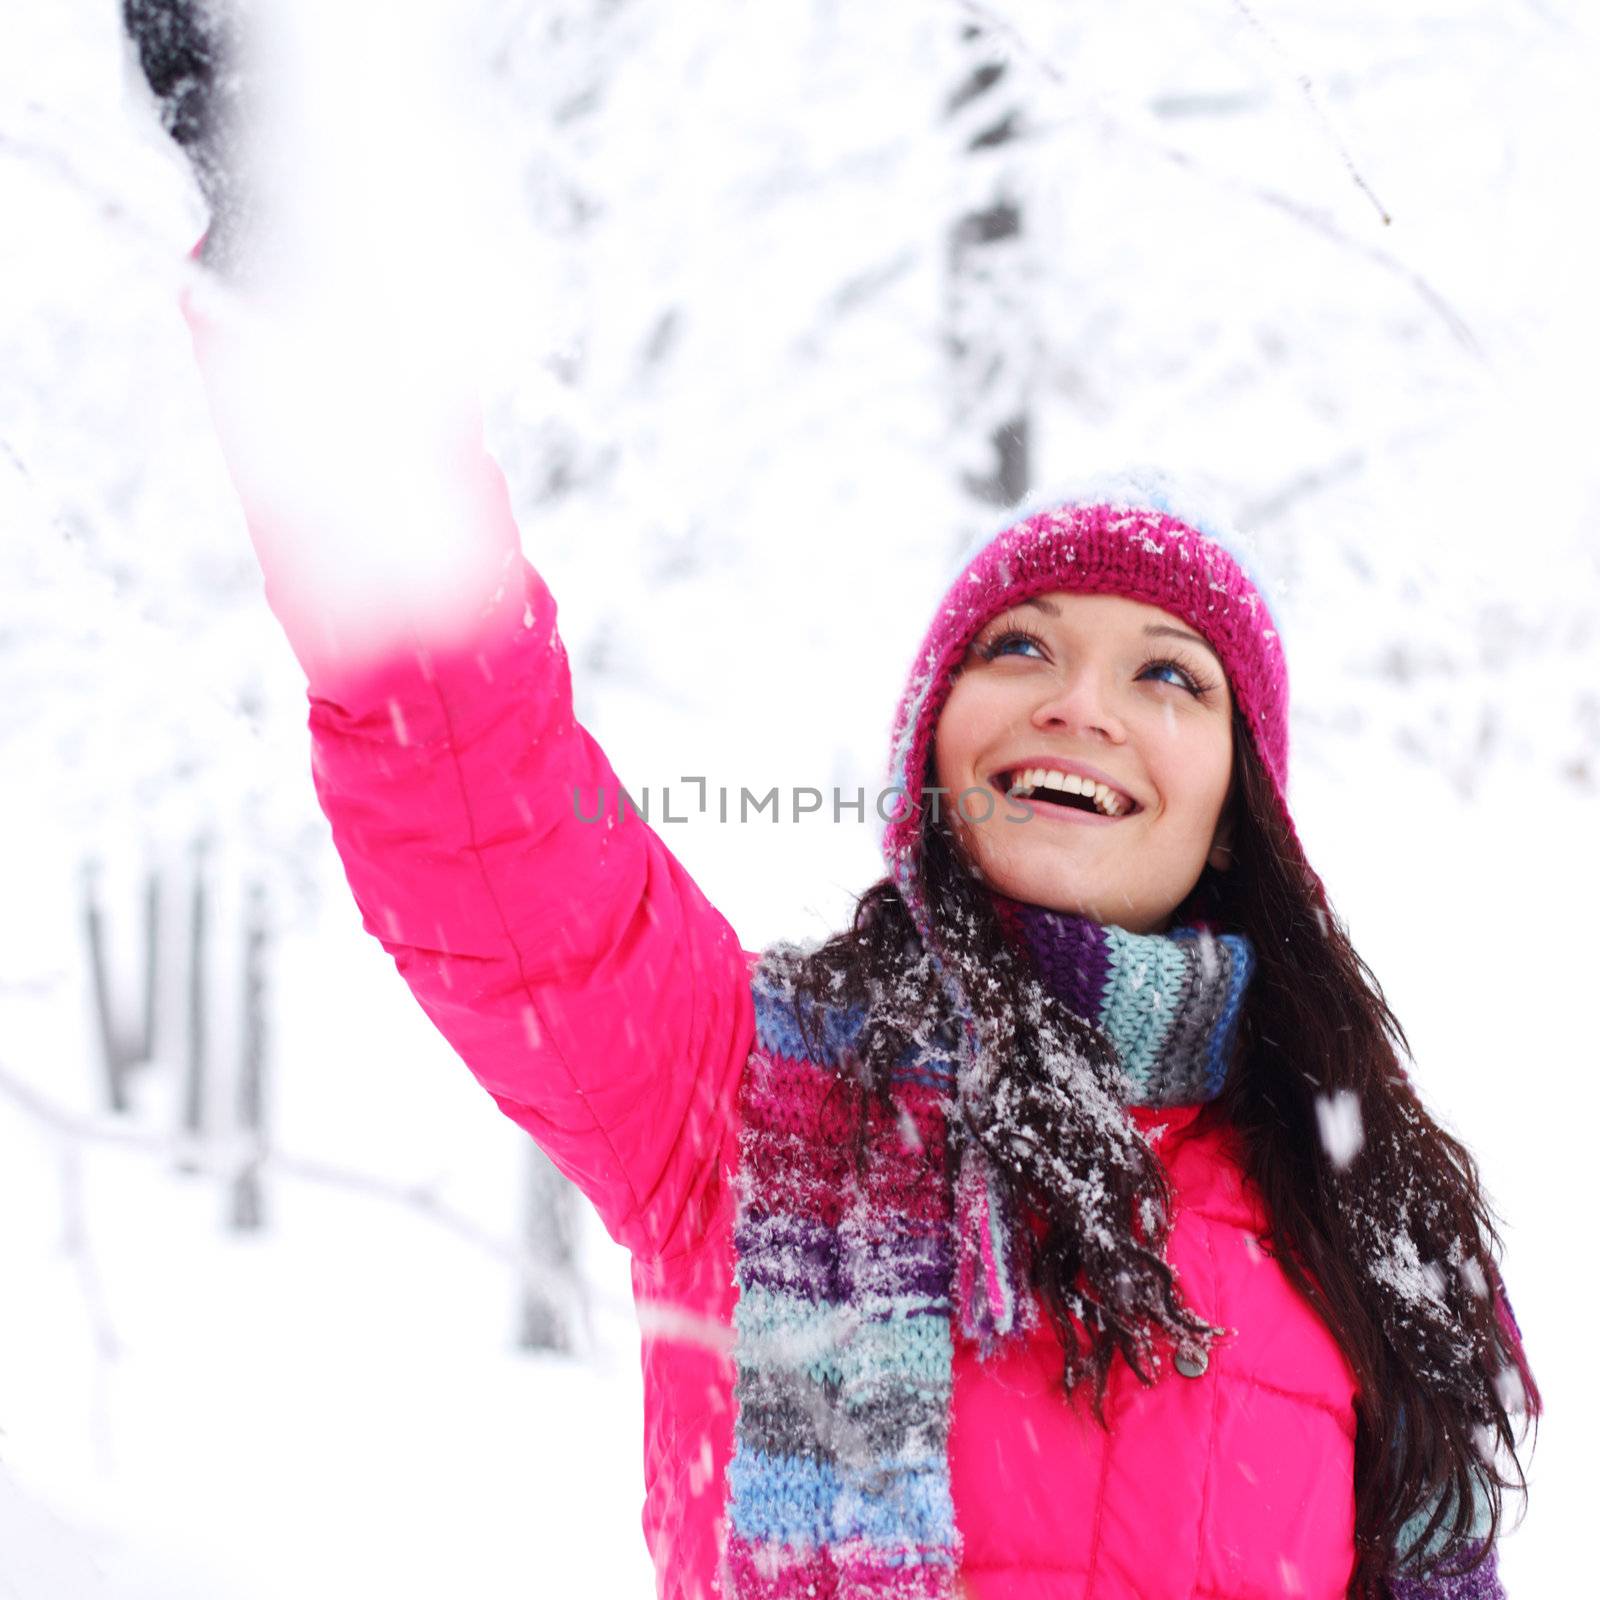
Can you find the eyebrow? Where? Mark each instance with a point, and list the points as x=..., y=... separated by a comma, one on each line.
x=1152, y=630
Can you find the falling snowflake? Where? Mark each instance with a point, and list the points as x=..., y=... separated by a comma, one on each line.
x=1339, y=1126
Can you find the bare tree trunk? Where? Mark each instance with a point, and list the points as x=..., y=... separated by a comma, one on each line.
x=549, y=1302
x=104, y=1007
x=152, y=946
x=122, y=1048
x=195, y=1036
x=991, y=340
x=247, y=1210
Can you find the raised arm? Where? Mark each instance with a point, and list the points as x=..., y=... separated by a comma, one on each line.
x=574, y=965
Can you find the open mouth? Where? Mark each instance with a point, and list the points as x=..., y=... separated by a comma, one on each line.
x=1046, y=786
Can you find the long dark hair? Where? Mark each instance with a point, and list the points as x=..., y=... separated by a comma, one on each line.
x=1394, y=1244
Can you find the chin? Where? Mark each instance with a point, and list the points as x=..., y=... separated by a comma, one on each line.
x=1052, y=896
x=1097, y=910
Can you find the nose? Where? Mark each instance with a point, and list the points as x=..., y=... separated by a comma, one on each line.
x=1077, y=703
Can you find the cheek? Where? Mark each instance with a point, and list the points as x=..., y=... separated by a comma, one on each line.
x=946, y=754
x=974, y=717
x=952, y=735
x=1191, y=764
x=1210, y=766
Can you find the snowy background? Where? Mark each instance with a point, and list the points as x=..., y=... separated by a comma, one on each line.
x=705, y=265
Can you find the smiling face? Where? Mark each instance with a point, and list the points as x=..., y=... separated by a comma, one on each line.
x=1095, y=685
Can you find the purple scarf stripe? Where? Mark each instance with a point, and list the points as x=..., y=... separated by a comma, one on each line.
x=1481, y=1584
x=799, y=1256
x=1070, y=955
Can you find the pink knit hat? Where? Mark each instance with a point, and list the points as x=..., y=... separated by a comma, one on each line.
x=1116, y=547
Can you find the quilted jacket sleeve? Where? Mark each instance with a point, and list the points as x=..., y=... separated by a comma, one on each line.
x=573, y=964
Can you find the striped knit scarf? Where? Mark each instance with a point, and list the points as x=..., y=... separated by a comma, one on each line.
x=849, y=1283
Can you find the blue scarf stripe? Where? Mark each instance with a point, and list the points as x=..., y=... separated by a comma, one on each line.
x=1138, y=1011
x=797, y=1502
x=778, y=1026
x=833, y=1345
x=778, y=1033
x=1241, y=965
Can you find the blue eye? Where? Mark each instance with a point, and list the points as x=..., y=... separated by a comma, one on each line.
x=997, y=645
x=1166, y=664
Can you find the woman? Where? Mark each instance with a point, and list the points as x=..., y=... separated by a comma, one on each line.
x=1065, y=1227
x=1108, y=993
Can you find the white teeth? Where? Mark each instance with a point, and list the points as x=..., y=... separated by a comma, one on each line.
x=1106, y=800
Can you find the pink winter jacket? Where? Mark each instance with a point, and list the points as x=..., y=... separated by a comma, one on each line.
x=604, y=1004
